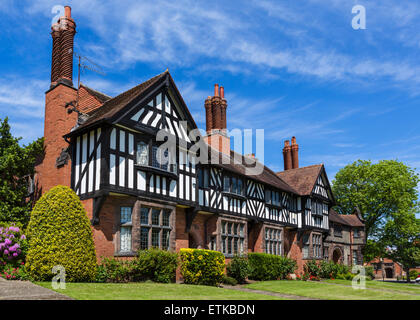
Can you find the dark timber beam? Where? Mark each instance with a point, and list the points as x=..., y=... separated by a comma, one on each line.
x=190, y=214
x=97, y=206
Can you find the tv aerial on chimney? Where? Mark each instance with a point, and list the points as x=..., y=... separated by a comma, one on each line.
x=83, y=64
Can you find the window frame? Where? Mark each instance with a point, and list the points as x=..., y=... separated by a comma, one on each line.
x=236, y=190
x=151, y=227
x=277, y=242
x=128, y=225
x=231, y=238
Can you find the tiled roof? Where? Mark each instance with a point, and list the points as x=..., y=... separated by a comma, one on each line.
x=301, y=179
x=267, y=176
x=346, y=219
x=102, y=97
x=112, y=106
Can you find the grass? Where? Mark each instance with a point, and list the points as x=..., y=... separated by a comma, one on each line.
x=328, y=289
x=339, y=290
x=152, y=291
x=394, y=286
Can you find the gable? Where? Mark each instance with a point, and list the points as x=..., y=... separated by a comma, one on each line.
x=322, y=186
x=161, y=111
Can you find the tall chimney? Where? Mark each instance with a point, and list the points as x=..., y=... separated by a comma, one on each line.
x=63, y=33
x=295, y=154
x=287, y=155
x=216, y=121
x=223, y=107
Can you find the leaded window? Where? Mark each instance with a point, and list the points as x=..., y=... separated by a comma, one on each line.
x=305, y=247
x=232, y=237
x=155, y=228
x=143, y=153
x=203, y=178
x=273, y=241
x=125, y=229
x=316, y=246
x=233, y=185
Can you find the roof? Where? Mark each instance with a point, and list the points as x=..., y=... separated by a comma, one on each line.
x=347, y=219
x=267, y=176
x=112, y=106
x=301, y=179
x=102, y=97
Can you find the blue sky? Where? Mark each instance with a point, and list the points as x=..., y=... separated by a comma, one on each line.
x=289, y=67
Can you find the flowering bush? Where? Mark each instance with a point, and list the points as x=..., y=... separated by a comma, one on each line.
x=13, y=247
x=14, y=273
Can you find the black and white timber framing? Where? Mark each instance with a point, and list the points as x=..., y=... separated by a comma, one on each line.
x=105, y=160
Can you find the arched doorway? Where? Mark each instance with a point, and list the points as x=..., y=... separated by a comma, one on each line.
x=337, y=255
x=389, y=273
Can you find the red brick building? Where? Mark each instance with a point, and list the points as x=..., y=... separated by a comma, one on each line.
x=194, y=192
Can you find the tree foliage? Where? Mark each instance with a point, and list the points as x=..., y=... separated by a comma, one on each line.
x=16, y=164
x=402, y=238
x=386, y=195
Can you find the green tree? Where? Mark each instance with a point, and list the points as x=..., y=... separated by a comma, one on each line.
x=16, y=164
x=60, y=234
x=380, y=191
x=402, y=238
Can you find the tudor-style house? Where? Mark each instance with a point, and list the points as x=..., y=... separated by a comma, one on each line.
x=109, y=151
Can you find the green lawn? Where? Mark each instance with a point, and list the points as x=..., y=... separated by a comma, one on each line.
x=328, y=289
x=152, y=291
x=340, y=290
x=394, y=286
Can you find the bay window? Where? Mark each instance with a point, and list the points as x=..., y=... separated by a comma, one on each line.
x=152, y=156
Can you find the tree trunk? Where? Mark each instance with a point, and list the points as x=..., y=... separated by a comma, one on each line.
x=407, y=271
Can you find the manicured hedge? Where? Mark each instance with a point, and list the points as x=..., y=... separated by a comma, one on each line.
x=199, y=266
x=270, y=267
x=60, y=234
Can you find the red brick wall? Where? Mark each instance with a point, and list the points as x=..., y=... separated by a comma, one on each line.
x=57, y=123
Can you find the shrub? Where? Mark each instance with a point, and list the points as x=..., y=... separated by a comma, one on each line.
x=156, y=265
x=13, y=247
x=312, y=268
x=369, y=272
x=60, y=234
x=114, y=270
x=199, y=266
x=413, y=274
x=229, y=281
x=270, y=267
x=14, y=273
x=239, y=269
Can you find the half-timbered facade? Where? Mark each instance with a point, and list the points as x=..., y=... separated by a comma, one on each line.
x=148, y=178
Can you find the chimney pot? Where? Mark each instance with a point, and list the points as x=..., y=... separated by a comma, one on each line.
x=295, y=153
x=287, y=155
x=67, y=12
x=216, y=90
x=222, y=92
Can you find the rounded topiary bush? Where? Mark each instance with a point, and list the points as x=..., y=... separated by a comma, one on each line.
x=60, y=234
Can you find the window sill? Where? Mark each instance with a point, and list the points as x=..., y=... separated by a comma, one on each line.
x=169, y=174
x=125, y=254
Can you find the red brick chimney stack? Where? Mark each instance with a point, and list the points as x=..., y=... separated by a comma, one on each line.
x=63, y=33
x=295, y=154
x=223, y=108
x=287, y=155
x=216, y=120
